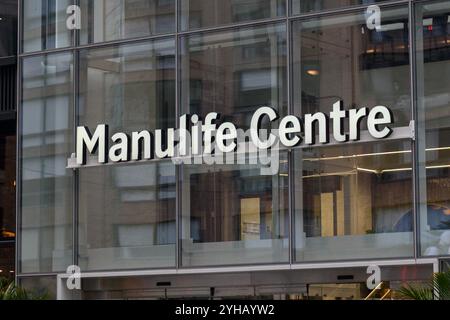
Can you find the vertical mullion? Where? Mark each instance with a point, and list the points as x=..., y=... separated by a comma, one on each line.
x=290, y=154
x=19, y=142
x=75, y=175
x=414, y=142
x=178, y=169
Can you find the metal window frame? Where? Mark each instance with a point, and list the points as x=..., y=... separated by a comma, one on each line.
x=288, y=19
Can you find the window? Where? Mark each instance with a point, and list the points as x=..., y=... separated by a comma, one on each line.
x=7, y=196
x=353, y=201
x=123, y=19
x=209, y=13
x=218, y=76
x=46, y=139
x=234, y=215
x=433, y=60
x=44, y=25
x=8, y=28
x=304, y=6
x=126, y=212
x=231, y=213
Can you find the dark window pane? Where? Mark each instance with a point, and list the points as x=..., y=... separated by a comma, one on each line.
x=7, y=180
x=8, y=28
x=7, y=262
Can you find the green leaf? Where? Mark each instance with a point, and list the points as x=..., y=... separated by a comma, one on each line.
x=437, y=288
x=417, y=293
x=9, y=291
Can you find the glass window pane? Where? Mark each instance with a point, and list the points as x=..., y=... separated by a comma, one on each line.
x=44, y=25
x=233, y=214
x=234, y=73
x=7, y=196
x=209, y=13
x=127, y=213
x=8, y=28
x=42, y=287
x=433, y=60
x=304, y=6
x=7, y=259
x=108, y=20
x=46, y=137
x=340, y=58
x=8, y=180
x=353, y=202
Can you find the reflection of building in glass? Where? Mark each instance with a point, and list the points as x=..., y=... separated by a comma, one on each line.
x=309, y=231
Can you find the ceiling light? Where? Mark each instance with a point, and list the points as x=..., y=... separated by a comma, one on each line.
x=313, y=72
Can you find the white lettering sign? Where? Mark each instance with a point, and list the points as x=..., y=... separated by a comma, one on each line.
x=198, y=137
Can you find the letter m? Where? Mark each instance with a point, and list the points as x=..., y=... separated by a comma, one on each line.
x=85, y=140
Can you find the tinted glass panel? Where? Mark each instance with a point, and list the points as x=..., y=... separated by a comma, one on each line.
x=433, y=59
x=209, y=13
x=7, y=196
x=353, y=202
x=44, y=24
x=340, y=58
x=234, y=214
x=7, y=262
x=127, y=213
x=234, y=73
x=338, y=189
x=46, y=137
x=8, y=28
x=303, y=6
x=108, y=20
x=40, y=286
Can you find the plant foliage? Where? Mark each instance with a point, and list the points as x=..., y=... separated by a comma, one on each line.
x=10, y=291
x=437, y=288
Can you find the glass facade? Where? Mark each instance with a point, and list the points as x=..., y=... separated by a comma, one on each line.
x=44, y=25
x=305, y=6
x=127, y=213
x=106, y=20
x=195, y=14
x=433, y=63
x=339, y=211
x=46, y=138
x=138, y=65
x=8, y=141
x=8, y=28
